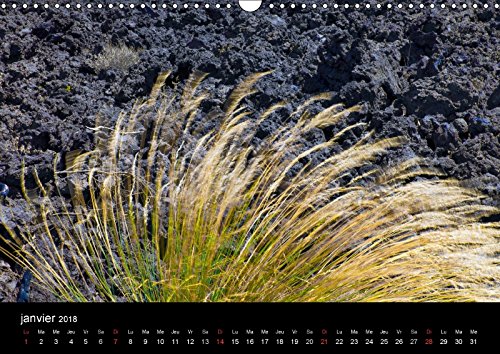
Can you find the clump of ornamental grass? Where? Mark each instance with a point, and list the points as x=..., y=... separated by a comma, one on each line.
x=160, y=212
x=120, y=57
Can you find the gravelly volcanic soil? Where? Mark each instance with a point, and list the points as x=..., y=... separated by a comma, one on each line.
x=430, y=75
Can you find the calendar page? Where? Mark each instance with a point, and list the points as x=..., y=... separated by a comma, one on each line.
x=221, y=175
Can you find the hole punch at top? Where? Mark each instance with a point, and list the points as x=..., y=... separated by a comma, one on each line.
x=250, y=5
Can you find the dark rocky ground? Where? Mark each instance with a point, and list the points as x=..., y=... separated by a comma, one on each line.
x=430, y=75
